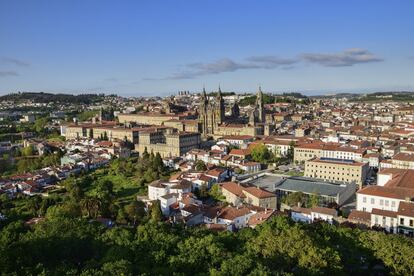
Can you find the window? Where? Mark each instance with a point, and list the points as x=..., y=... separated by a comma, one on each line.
x=387, y=203
x=411, y=222
x=401, y=221
x=392, y=203
x=364, y=199
x=381, y=202
x=372, y=201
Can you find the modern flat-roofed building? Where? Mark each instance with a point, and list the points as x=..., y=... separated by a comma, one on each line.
x=337, y=170
x=328, y=192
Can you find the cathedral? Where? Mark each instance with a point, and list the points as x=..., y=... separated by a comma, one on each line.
x=212, y=119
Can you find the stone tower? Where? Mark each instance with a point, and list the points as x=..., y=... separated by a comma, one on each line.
x=219, y=108
x=202, y=116
x=260, y=106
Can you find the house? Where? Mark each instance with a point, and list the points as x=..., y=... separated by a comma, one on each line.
x=309, y=215
x=159, y=188
x=323, y=213
x=360, y=218
x=238, y=140
x=237, y=194
x=236, y=216
x=242, y=153
x=391, y=202
x=301, y=214
x=218, y=174
x=260, y=217
x=192, y=214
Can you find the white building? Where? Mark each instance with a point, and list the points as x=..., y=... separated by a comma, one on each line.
x=309, y=215
x=236, y=216
x=391, y=202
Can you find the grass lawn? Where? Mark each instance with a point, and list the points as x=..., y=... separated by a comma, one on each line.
x=125, y=188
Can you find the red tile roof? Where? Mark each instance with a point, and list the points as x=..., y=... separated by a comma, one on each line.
x=233, y=188
x=384, y=213
x=360, y=216
x=406, y=209
x=259, y=193
x=231, y=213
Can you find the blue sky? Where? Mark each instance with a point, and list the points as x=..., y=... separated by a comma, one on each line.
x=159, y=47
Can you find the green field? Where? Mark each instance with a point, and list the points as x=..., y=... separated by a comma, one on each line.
x=126, y=188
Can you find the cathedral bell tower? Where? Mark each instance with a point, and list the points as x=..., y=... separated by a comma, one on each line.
x=202, y=113
x=220, y=109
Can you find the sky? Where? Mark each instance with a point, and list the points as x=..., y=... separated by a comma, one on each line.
x=142, y=48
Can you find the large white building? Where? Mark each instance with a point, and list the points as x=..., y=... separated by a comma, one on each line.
x=168, y=192
x=391, y=202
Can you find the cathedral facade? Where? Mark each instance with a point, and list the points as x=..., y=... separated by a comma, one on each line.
x=212, y=120
x=211, y=113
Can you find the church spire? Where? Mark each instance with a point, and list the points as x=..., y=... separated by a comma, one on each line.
x=204, y=90
x=219, y=95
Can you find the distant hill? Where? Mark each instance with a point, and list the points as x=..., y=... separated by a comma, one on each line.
x=391, y=96
x=373, y=96
x=338, y=95
x=41, y=97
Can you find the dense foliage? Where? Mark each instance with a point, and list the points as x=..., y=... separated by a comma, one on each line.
x=41, y=97
x=26, y=161
x=66, y=245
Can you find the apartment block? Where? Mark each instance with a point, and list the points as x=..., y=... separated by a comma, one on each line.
x=347, y=171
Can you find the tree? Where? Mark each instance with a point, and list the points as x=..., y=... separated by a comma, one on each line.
x=34, y=205
x=68, y=209
x=215, y=193
x=261, y=154
x=105, y=193
x=28, y=151
x=40, y=124
x=294, y=199
x=74, y=189
x=90, y=206
x=135, y=211
x=200, y=166
x=155, y=212
x=118, y=267
x=290, y=152
x=313, y=200
x=158, y=164
x=145, y=155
